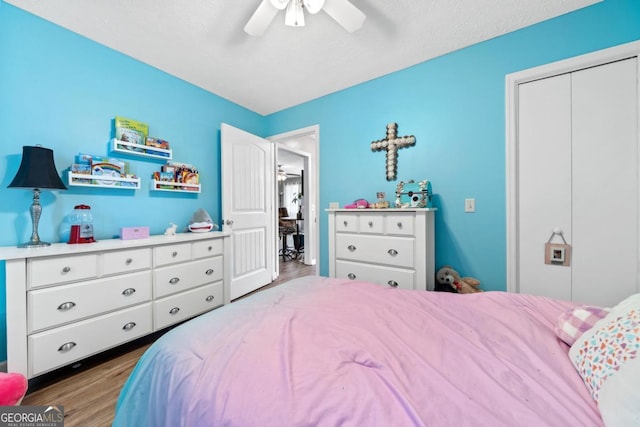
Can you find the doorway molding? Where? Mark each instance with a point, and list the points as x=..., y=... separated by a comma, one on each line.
x=312, y=185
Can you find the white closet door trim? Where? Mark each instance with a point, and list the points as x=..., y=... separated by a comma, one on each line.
x=512, y=82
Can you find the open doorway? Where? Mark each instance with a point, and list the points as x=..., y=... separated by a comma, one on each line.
x=297, y=192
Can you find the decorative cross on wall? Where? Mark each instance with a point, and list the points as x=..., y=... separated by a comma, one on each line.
x=391, y=144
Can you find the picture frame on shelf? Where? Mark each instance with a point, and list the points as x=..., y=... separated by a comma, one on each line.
x=412, y=194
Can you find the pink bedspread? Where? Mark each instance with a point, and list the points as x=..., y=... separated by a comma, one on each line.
x=332, y=352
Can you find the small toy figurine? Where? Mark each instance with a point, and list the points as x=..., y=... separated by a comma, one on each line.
x=171, y=230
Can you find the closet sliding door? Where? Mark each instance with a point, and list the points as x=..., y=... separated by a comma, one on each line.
x=577, y=170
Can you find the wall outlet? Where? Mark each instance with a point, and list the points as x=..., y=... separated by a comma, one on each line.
x=469, y=205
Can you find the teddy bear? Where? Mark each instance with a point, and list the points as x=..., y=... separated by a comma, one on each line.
x=448, y=279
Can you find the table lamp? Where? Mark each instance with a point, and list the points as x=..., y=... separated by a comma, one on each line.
x=37, y=170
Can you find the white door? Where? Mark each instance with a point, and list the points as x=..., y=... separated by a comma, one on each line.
x=247, y=207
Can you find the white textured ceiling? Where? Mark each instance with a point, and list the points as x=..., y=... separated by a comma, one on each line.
x=203, y=42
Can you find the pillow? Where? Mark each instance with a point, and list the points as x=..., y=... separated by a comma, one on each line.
x=607, y=357
x=577, y=320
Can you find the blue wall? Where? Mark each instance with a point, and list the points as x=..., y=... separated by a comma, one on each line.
x=62, y=91
x=455, y=106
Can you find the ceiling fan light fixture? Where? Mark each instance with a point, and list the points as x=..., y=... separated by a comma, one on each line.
x=313, y=6
x=282, y=175
x=294, y=16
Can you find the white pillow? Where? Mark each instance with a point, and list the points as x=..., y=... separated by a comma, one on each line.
x=607, y=358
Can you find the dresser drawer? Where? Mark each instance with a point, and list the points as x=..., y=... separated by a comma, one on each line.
x=371, y=223
x=58, y=305
x=386, y=276
x=178, y=278
x=177, y=308
x=170, y=254
x=50, y=271
x=395, y=251
x=207, y=248
x=59, y=347
x=126, y=261
x=400, y=224
x=346, y=222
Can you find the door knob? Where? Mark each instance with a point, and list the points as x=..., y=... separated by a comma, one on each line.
x=229, y=222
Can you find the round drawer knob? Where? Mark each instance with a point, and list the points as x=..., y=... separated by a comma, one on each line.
x=128, y=261
x=129, y=326
x=392, y=283
x=399, y=225
x=66, y=306
x=370, y=223
x=174, y=280
x=128, y=291
x=66, y=347
x=210, y=248
x=392, y=252
x=209, y=298
x=351, y=276
x=209, y=272
x=66, y=269
x=345, y=223
x=174, y=310
x=174, y=254
x=351, y=248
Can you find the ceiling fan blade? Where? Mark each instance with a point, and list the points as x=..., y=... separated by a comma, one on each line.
x=261, y=18
x=345, y=14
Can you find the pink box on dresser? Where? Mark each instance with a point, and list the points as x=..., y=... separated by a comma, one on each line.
x=130, y=233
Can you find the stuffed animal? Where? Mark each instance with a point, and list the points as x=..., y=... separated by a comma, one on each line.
x=201, y=222
x=450, y=280
x=13, y=387
x=171, y=230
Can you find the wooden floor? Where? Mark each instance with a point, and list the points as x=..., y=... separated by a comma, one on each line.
x=89, y=391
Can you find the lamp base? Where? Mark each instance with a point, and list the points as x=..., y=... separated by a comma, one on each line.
x=34, y=244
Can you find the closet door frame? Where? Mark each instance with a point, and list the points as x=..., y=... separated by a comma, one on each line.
x=512, y=83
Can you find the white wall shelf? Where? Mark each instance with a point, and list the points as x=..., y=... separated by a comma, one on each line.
x=140, y=150
x=103, y=181
x=174, y=187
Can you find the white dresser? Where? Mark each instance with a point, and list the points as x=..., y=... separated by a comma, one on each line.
x=67, y=302
x=390, y=247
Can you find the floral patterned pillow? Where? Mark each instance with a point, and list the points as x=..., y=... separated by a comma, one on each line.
x=611, y=350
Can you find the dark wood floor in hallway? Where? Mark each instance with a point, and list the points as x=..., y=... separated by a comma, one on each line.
x=89, y=392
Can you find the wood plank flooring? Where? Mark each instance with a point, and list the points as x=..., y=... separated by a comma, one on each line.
x=90, y=390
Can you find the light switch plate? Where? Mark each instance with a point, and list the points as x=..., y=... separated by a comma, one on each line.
x=469, y=205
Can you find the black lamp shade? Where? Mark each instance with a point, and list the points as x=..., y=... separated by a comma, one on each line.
x=37, y=170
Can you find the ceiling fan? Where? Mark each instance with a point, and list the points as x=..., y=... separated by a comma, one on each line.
x=342, y=11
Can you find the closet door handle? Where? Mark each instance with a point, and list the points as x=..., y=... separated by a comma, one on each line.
x=392, y=252
x=66, y=306
x=351, y=276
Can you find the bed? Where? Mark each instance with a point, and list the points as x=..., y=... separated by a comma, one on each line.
x=333, y=352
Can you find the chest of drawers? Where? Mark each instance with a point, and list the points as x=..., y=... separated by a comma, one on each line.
x=390, y=247
x=68, y=302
